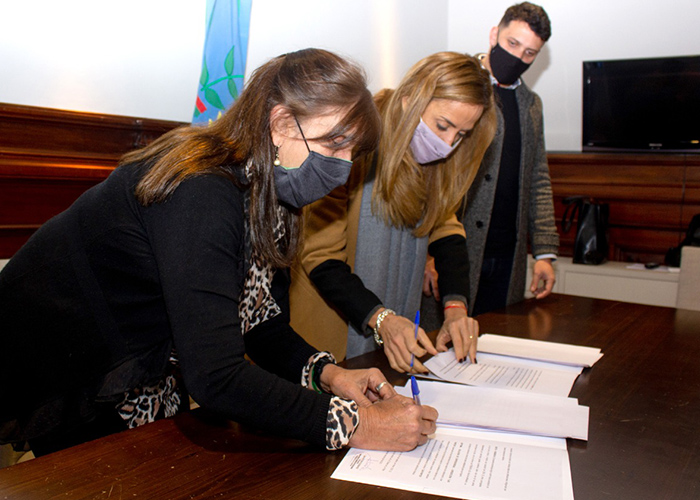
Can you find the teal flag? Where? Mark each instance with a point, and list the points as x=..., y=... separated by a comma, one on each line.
x=223, y=64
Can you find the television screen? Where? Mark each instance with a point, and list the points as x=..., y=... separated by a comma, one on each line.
x=642, y=105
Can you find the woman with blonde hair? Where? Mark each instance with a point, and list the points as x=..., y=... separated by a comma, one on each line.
x=358, y=284
x=172, y=272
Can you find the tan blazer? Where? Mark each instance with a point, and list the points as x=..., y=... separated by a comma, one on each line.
x=331, y=226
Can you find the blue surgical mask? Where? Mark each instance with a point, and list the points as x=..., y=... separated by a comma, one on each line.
x=427, y=147
x=314, y=179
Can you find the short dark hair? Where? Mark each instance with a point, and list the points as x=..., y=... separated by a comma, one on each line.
x=533, y=15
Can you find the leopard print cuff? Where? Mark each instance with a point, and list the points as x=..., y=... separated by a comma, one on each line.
x=343, y=418
x=307, y=374
x=144, y=403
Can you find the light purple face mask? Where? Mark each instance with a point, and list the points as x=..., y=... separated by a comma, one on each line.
x=427, y=147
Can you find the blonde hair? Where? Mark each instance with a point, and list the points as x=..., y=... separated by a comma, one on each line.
x=409, y=195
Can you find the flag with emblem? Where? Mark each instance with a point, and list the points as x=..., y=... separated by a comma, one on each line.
x=223, y=63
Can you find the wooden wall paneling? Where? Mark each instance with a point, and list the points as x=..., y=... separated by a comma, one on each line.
x=640, y=245
x=648, y=196
x=49, y=157
x=35, y=187
x=13, y=237
x=32, y=202
x=691, y=196
x=44, y=129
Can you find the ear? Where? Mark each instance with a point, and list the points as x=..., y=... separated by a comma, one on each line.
x=493, y=36
x=281, y=119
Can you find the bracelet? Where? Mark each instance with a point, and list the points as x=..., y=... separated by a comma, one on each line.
x=461, y=306
x=380, y=318
x=316, y=370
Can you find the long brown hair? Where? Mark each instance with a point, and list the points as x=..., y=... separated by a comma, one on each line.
x=405, y=193
x=308, y=83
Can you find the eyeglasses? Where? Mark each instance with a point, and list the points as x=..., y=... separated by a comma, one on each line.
x=302, y=134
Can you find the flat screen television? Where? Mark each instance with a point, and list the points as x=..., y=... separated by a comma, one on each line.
x=638, y=105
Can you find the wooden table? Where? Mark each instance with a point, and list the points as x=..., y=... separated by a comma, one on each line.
x=644, y=436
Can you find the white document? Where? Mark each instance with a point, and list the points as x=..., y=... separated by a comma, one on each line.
x=540, y=350
x=505, y=372
x=477, y=465
x=500, y=409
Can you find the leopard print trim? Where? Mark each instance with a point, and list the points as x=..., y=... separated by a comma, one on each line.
x=141, y=405
x=257, y=304
x=307, y=372
x=343, y=415
x=343, y=419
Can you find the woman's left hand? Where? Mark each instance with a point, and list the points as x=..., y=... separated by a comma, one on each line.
x=430, y=279
x=462, y=330
x=358, y=385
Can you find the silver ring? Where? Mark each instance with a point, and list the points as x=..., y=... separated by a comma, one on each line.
x=379, y=387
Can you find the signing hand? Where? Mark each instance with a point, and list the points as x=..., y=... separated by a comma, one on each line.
x=543, y=271
x=394, y=424
x=398, y=334
x=358, y=385
x=462, y=330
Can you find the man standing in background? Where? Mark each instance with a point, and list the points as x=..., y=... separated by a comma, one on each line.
x=510, y=200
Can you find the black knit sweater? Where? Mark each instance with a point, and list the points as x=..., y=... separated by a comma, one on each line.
x=93, y=304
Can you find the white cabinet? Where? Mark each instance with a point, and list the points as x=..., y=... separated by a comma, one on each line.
x=614, y=281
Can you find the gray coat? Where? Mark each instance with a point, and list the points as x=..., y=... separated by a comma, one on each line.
x=535, y=206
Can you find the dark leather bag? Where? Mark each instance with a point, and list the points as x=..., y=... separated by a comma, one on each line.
x=591, y=242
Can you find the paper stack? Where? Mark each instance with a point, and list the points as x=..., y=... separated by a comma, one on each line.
x=517, y=364
x=477, y=465
x=553, y=352
x=503, y=410
x=519, y=386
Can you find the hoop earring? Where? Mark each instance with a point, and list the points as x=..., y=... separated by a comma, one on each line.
x=277, y=161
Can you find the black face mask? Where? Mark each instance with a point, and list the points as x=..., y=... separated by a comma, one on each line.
x=314, y=179
x=505, y=67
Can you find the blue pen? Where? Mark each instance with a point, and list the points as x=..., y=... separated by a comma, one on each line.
x=414, y=384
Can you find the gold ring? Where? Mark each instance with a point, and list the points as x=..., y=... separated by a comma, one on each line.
x=471, y=337
x=379, y=387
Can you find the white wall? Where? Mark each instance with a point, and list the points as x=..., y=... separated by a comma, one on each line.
x=384, y=36
x=142, y=57
x=126, y=57
x=581, y=31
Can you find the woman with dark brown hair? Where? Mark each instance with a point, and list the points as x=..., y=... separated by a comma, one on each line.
x=167, y=274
